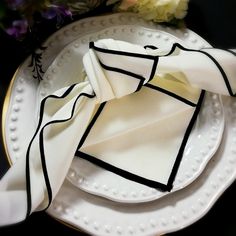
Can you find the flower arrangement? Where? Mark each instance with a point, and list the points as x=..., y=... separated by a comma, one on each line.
x=156, y=10
x=20, y=17
x=26, y=20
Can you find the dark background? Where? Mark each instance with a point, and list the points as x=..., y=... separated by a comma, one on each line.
x=214, y=20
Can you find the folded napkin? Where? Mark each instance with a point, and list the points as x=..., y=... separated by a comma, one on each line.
x=132, y=114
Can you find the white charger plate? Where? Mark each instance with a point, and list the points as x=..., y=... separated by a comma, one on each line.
x=19, y=127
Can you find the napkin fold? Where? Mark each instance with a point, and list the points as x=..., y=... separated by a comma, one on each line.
x=132, y=114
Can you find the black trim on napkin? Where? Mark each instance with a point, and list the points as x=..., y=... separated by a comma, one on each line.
x=128, y=54
x=224, y=76
x=174, y=95
x=41, y=144
x=129, y=175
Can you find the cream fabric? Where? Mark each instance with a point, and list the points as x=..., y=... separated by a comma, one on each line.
x=140, y=135
x=67, y=113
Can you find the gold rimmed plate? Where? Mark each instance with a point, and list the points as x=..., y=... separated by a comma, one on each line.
x=73, y=205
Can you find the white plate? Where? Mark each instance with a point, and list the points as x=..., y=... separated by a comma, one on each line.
x=94, y=214
x=203, y=141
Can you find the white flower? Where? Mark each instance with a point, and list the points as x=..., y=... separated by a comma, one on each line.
x=156, y=10
x=181, y=9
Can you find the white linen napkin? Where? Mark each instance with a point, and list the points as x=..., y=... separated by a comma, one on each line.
x=132, y=114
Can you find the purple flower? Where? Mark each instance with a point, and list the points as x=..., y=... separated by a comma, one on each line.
x=18, y=28
x=49, y=13
x=14, y=4
x=56, y=11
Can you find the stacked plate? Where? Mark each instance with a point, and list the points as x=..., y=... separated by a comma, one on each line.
x=96, y=200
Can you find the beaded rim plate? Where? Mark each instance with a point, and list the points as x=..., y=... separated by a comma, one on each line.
x=104, y=183
x=95, y=215
x=203, y=142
